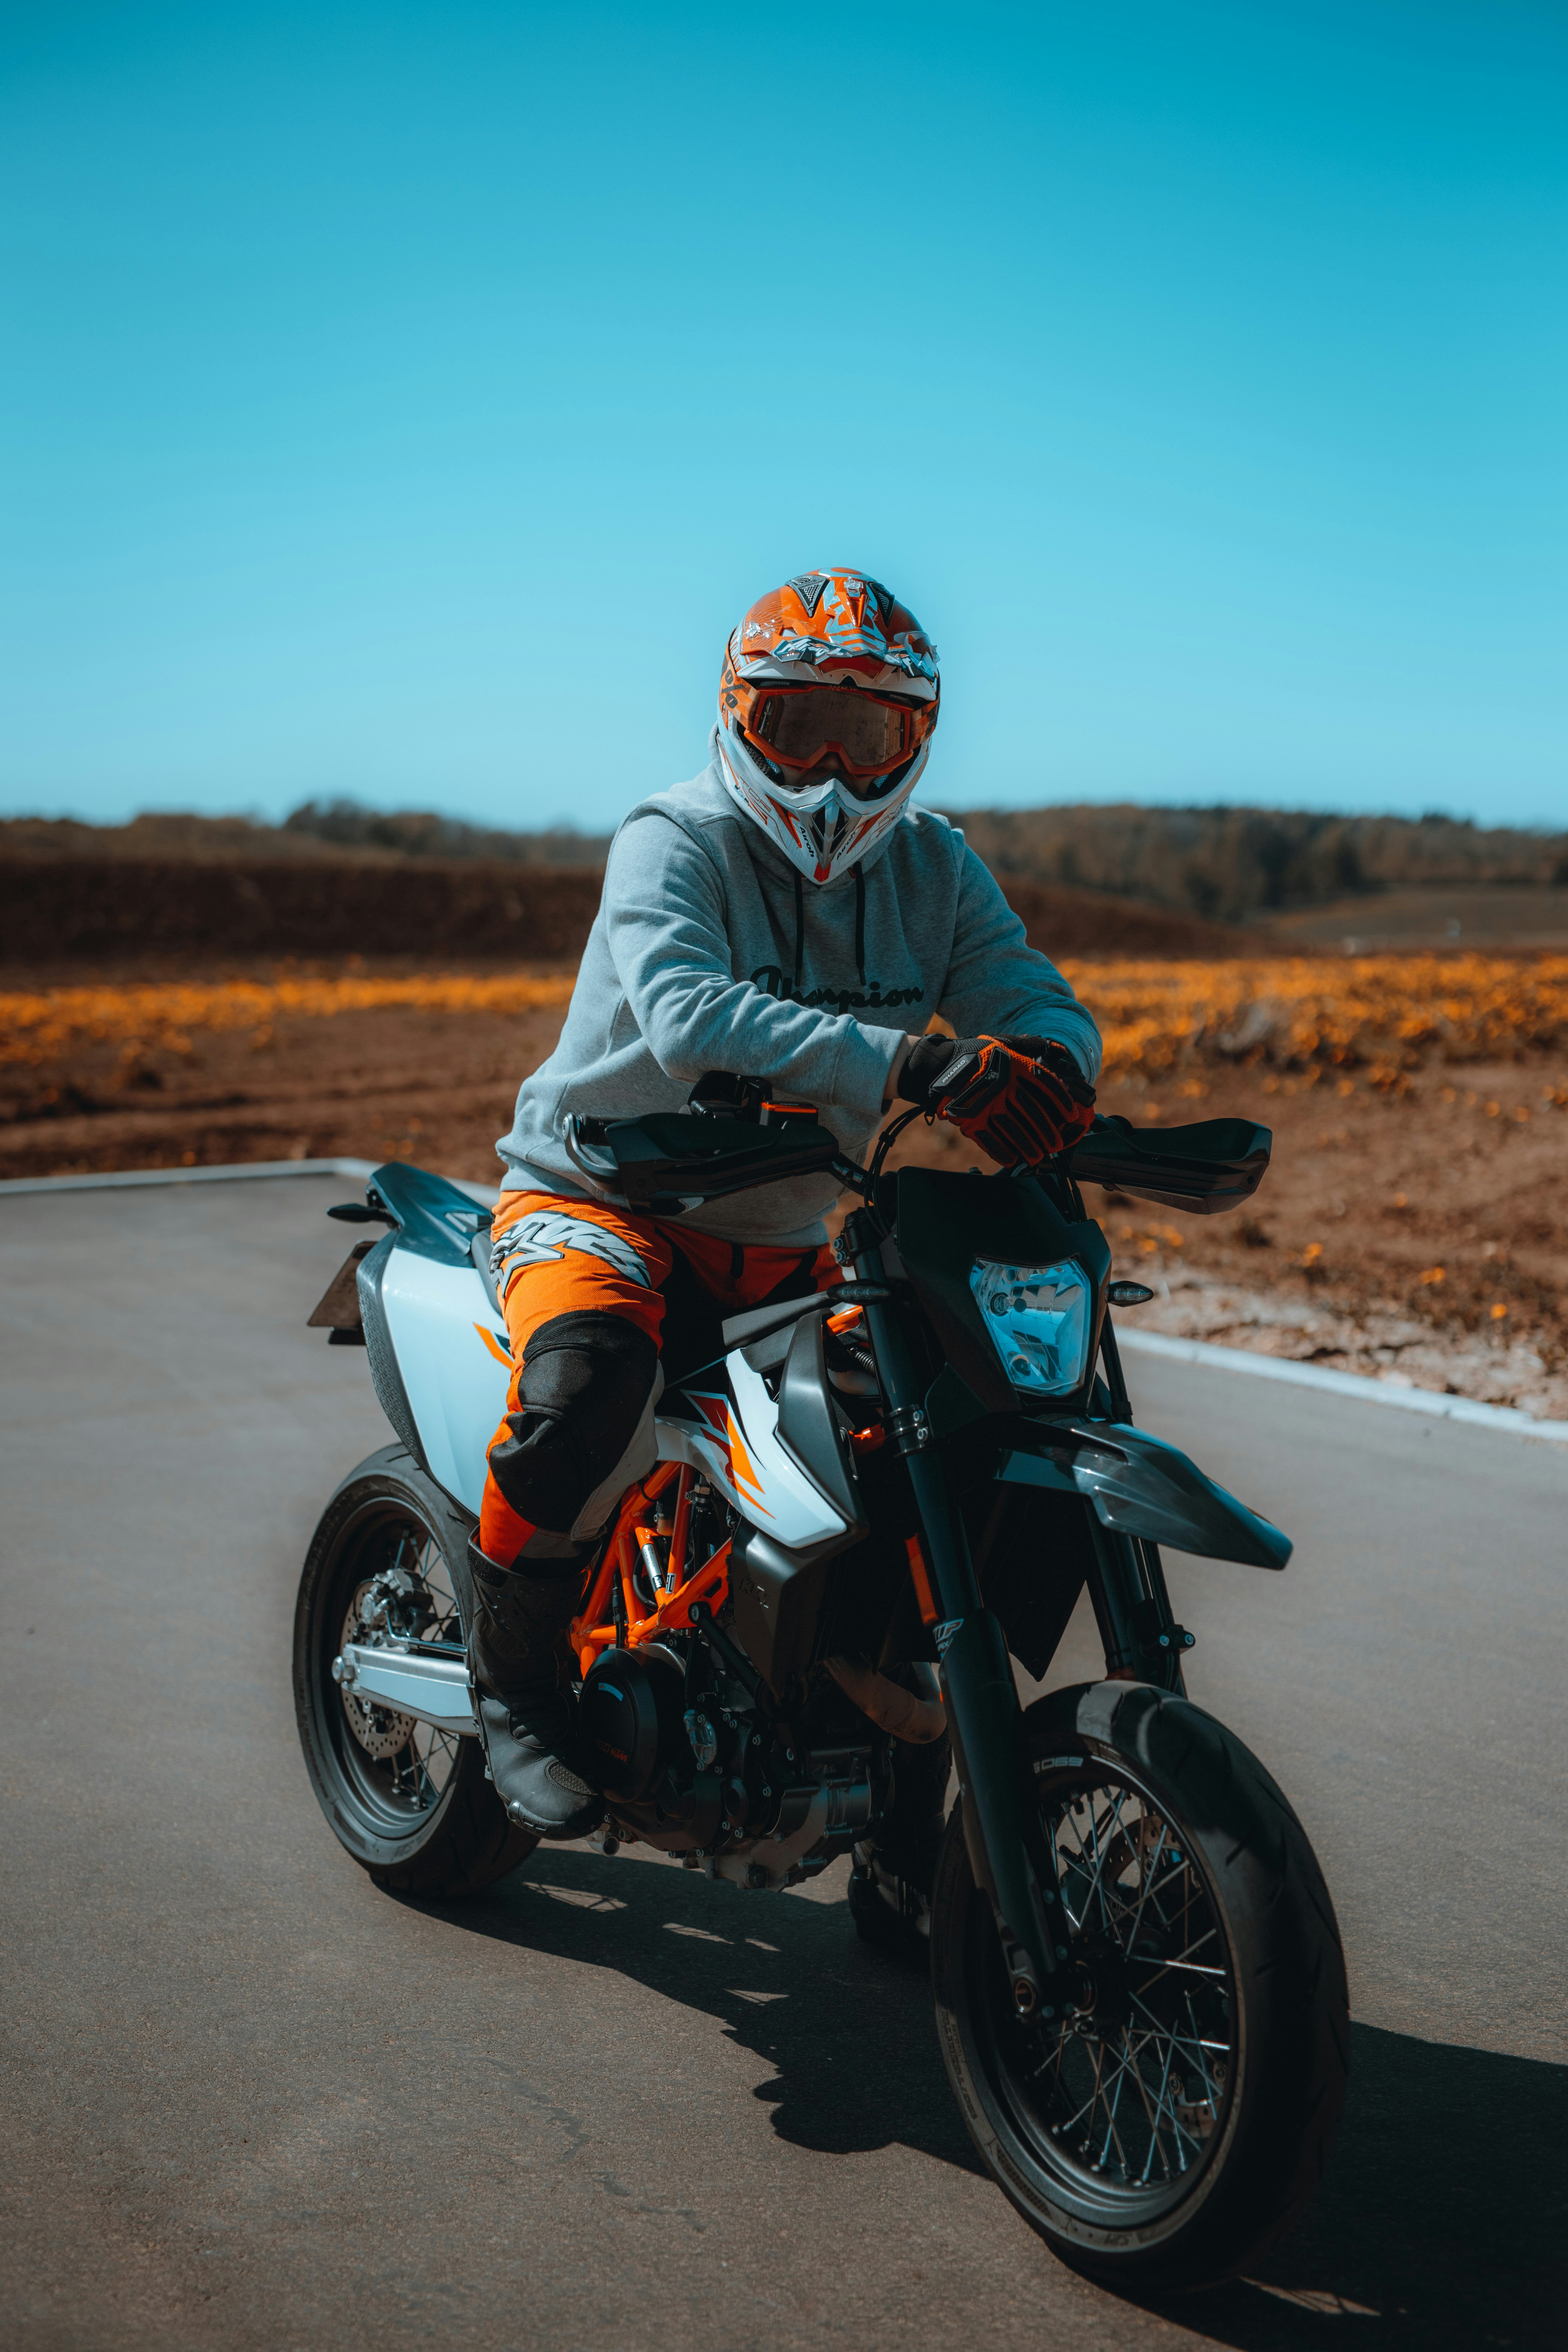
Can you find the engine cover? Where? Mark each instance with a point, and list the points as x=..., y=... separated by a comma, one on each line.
x=631, y=1717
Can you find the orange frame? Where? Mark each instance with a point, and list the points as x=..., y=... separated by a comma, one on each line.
x=595, y=1629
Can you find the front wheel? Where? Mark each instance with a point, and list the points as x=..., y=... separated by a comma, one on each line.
x=408, y=1801
x=1176, y=2115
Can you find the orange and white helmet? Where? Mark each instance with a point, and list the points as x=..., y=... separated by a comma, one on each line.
x=827, y=703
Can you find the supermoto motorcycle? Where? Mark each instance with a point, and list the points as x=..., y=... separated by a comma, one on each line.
x=867, y=1502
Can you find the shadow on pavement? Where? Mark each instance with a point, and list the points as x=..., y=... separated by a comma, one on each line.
x=1443, y=2221
x=846, y=2036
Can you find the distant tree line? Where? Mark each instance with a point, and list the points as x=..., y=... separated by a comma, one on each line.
x=1226, y=862
x=1221, y=864
x=1218, y=864
x=425, y=833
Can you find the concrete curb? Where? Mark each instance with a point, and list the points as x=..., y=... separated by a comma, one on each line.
x=138, y=1176
x=485, y=1194
x=1350, y=1385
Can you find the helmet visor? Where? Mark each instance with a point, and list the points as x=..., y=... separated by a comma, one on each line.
x=799, y=723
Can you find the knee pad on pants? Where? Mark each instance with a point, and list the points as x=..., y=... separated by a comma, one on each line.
x=582, y=1394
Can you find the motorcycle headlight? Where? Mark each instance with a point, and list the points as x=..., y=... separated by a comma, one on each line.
x=1039, y=1319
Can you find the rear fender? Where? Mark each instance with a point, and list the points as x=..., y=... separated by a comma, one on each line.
x=439, y=1357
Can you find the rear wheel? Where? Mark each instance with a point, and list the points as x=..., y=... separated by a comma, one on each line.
x=1178, y=2114
x=409, y=1803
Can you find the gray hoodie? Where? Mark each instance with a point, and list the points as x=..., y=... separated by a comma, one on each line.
x=711, y=952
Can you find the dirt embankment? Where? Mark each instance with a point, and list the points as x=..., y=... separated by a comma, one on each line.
x=103, y=909
x=57, y=912
x=1090, y=923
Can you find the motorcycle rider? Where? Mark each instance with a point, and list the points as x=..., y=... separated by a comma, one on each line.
x=786, y=914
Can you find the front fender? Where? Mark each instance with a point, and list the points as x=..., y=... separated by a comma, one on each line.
x=1141, y=1486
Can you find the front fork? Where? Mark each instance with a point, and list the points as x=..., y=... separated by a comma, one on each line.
x=1139, y=1634
x=1007, y=1847
x=1137, y=1629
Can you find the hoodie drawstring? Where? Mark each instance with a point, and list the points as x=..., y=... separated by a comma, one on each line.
x=799, y=976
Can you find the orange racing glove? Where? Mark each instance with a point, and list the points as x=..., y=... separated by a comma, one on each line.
x=1016, y=1098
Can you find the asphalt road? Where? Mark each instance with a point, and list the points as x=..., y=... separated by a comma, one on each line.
x=251, y=2102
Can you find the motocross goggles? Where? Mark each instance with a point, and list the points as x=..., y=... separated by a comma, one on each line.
x=795, y=726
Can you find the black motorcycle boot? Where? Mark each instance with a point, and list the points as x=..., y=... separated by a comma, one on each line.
x=515, y=1657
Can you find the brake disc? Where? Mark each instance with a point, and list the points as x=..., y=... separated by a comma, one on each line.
x=380, y=1731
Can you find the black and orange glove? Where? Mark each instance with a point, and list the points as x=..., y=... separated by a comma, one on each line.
x=1016, y=1098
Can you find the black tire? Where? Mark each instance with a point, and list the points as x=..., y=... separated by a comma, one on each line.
x=413, y=1808
x=1189, y=1848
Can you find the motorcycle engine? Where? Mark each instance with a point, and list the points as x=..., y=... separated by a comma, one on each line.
x=703, y=1777
x=632, y=1717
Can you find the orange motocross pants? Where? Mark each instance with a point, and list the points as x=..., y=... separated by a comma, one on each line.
x=592, y=1296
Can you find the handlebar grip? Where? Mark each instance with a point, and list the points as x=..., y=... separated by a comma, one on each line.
x=590, y=1155
x=722, y=1094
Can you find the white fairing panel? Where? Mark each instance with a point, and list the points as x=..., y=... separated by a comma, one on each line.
x=456, y=1364
x=736, y=1443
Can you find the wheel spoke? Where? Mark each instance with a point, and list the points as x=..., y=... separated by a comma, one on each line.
x=1203, y=2063
x=1154, y=2141
x=1110, y=2131
x=1151, y=1865
x=1167, y=2032
x=1099, y=2059
x=1101, y=1855
x=1189, y=1969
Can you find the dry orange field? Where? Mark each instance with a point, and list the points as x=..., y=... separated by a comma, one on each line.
x=1382, y=1013
x=1412, y=1223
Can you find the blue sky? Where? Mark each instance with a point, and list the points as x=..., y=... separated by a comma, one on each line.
x=406, y=401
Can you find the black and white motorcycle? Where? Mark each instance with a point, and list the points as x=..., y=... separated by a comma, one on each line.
x=859, y=1507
